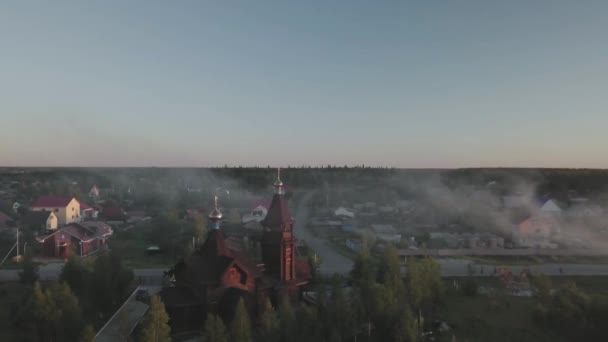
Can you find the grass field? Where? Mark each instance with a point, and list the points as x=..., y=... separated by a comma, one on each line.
x=481, y=319
x=132, y=248
x=531, y=260
x=505, y=318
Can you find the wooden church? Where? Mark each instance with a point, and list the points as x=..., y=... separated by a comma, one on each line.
x=215, y=277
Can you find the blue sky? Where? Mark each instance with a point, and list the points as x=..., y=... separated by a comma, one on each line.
x=398, y=83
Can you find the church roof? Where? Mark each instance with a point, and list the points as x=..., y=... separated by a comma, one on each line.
x=278, y=215
x=215, y=245
x=212, y=259
x=179, y=296
x=204, y=269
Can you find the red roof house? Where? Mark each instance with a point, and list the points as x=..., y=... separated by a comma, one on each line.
x=51, y=201
x=67, y=209
x=76, y=239
x=114, y=214
x=6, y=221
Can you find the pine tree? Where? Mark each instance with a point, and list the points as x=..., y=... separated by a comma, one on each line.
x=29, y=273
x=40, y=311
x=269, y=329
x=87, y=334
x=75, y=274
x=66, y=317
x=362, y=272
x=405, y=327
x=50, y=315
x=287, y=318
x=241, y=324
x=214, y=330
x=156, y=327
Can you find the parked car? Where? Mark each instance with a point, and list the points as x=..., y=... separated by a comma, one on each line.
x=142, y=295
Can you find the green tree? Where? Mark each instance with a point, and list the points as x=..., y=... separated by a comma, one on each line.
x=34, y=316
x=66, y=313
x=75, y=274
x=155, y=327
x=241, y=324
x=389, y=274
x=568, y=308
x=50, y=315
x=424, y=285
x=307, y=327
x=367, y=297
x=269, y=323
x=362, y=272
x=109, y=284
x=287, y=318
x=404, y=329
x=199, y=228
x=543, y=287
x=87, y=334
x=339, y=313
x=29, y=271
x=214, y=330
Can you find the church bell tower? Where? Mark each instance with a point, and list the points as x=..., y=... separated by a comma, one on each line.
x=278, y=242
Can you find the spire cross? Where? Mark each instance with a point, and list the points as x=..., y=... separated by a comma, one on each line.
x=215, y=201
x=278, y=184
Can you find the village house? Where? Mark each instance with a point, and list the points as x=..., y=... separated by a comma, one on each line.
x=6, y=221
x=94, y=193
x=87, y=212
x=67, y=209
x=387, y=209
x=515, y=201
x=550, y=208
x=79, y=239
x=257, y=214
x=7, y=225
x=41, y=221
x=385, y=232
x=344, y=213
x=321, y=222
x=114, y=214
x=584, y=210
x=535, y=232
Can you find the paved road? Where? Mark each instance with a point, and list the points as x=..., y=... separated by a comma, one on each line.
x=126, y=318
x=460, y=268
x=331, y=261
x=51, y=271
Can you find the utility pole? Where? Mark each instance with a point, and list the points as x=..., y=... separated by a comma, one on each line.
x=17, y=243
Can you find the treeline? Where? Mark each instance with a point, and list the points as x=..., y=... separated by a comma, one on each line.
x=83, y=299
x=557, y=183
x=570, y=311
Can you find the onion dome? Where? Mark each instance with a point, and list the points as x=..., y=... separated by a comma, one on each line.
x=278, y=184
x=216, y=215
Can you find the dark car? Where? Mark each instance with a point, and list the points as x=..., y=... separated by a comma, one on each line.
x=142, y=295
